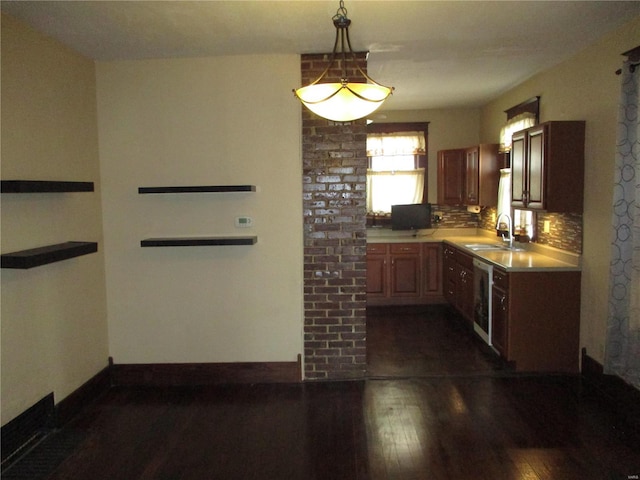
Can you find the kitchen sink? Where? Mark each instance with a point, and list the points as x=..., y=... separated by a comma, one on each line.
x=483, y=247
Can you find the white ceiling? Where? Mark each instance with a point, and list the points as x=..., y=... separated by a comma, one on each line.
x=437, y=54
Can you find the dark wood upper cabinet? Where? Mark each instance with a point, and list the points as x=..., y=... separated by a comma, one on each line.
x=547, y=167
x=469, y=176
x=472, y=173
x=451, y=177
x=518, y=169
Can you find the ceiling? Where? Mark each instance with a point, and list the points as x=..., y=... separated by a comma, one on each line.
x=437, y=54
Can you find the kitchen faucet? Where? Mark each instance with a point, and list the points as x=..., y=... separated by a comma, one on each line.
x=509, y=227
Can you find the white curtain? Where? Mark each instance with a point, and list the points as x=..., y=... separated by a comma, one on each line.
x=393, y=188
x=622, y=353
x=400, y=143
x=504, y=201
x=515, y=124
x=393, y=178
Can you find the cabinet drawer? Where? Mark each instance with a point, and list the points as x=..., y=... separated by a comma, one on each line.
x=380, y=248
x=448, y=252
x=464, y=259
x=405, y=248
x=500, y=279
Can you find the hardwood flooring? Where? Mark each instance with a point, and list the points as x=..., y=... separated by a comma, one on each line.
x=436, y=406
x=424, y=341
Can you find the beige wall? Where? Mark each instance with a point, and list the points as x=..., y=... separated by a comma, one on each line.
x=54, y=322
x=455, y=128
x=203, y=121
x=583, y=88
x=207, y=121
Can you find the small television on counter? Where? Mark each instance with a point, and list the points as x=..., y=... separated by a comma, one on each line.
x=415, y=216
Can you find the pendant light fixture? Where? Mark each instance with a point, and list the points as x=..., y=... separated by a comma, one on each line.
x=343, y=101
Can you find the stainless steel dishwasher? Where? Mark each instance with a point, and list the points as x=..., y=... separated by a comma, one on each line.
x=482, y=282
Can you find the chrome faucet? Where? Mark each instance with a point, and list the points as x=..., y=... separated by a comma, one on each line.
x=509, y=227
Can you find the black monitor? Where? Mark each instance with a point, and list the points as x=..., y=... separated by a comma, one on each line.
x=411, y=217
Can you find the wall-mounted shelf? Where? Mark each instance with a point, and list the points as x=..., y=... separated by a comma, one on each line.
x=44, y=186
x=34, y=257
x=197, y=241
x=199, y=189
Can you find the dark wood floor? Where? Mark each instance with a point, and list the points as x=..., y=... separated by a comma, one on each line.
x=436, y=407
x=424, y=341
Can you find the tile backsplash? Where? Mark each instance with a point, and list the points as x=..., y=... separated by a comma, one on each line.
x=455, y=217
x=565, y=230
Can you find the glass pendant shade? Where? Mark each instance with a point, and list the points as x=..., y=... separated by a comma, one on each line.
x=343, y=102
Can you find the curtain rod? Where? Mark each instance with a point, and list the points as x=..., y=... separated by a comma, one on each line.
x=632, y=68
x=633, y=55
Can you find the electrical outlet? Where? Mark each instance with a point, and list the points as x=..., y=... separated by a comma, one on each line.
x=546, y=227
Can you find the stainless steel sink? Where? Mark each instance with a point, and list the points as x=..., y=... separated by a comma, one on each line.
x=484, y=246
x=515, y=249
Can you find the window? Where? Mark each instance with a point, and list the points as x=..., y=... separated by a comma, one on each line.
x=515, y=124
x=397, y=166
x=524, y=223
x=519, y=117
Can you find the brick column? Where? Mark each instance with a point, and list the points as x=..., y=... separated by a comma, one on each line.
x=334, y=206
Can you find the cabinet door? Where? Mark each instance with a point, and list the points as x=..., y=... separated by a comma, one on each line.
x=431, y=269
x=451, y=177
x=518, y=168
x=472, y=176
x=466, y=293
x=405, y=270
x=377, y=270
x=449, y=275
x=536, y=168
x=377, y=285
x=500, y=317
x=500, y=312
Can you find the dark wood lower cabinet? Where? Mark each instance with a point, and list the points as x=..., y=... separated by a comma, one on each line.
x=536, y=320
x=404, y=273
x=535, y=314
x=377, y=284
x=431, y=269
x=405, y=269
x=458, y=280
x=500, y=311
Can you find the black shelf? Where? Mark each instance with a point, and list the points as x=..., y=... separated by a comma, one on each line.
x=197, y=241
x=199, y=189
x=35, y=257
x=44, y=186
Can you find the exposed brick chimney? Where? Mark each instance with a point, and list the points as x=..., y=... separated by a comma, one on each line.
x=334, y=206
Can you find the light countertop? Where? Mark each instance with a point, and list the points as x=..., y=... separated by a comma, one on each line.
x=532, y=257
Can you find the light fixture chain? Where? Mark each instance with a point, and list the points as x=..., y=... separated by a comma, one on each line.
x=345, y=101
x=341, y=13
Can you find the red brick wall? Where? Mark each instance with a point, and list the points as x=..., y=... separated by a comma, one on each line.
x=334, y=205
